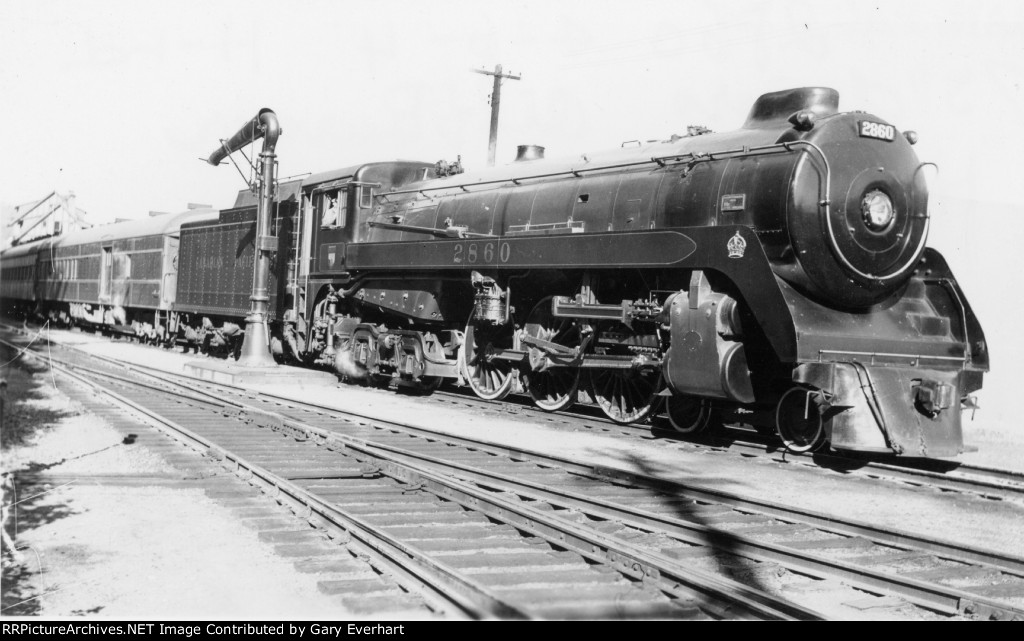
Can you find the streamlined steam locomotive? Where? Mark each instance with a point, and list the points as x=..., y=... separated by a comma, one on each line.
x=776, y=275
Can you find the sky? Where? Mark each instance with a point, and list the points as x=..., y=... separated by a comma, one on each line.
x=118, y=101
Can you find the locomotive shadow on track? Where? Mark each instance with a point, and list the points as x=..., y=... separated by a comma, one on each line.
x=840, y=463
x=835, y=460
x=724, y=556
x=852, y=461
x=722, y=438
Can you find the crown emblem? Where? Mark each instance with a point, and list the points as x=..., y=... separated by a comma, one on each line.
x=736, y=246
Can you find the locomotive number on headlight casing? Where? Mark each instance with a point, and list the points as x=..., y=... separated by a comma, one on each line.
x=877, y=130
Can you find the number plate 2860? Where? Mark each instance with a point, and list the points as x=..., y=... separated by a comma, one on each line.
x=868, y=129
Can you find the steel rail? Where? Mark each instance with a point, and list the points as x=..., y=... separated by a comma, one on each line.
x=928, y=595
x=966, y=478
x=986, y=482
x=847, y=527
x=933, y=596
x=442, y=583
x=634, y=562
x=646, y=566
x=666, y=574
x=960, y=553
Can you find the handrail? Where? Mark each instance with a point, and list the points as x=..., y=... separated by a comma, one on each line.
x=447, y=232
x=661, y=161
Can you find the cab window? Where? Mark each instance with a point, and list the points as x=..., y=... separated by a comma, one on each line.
x=333, y=208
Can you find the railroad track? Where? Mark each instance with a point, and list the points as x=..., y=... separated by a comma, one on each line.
x=686, y=523
x=471, y=550
x=737, y=441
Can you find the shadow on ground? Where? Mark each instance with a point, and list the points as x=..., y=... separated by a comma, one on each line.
x=709, y=547
x=723, y=553
x=21, y=415
x=30, y=504
x=32, y=507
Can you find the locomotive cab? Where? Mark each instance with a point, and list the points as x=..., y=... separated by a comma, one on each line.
x=337, y=206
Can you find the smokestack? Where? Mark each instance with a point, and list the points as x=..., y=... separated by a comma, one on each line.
x=529, y=152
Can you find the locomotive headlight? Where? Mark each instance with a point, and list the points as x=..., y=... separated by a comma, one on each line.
x=877, y=209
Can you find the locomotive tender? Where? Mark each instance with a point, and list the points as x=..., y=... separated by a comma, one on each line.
x=776, y=275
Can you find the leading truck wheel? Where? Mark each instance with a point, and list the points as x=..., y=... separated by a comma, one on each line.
x=798, y=422
x=689, y=415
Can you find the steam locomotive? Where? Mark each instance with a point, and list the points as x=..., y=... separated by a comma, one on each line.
x=776, y=275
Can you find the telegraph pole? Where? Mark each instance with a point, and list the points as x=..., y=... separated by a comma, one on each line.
x=492, y=145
